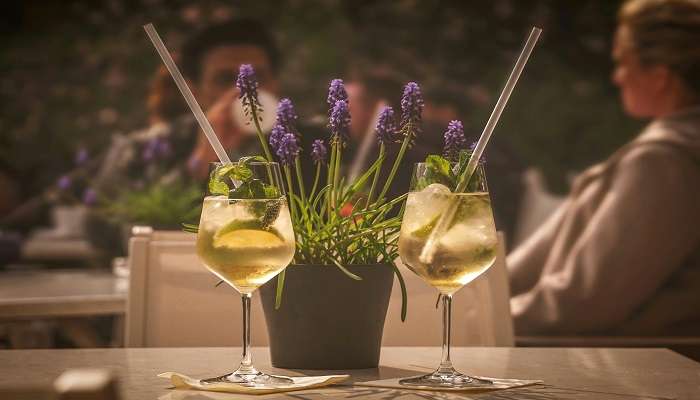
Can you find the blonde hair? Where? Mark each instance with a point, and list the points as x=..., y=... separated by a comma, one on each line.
x=665, y=32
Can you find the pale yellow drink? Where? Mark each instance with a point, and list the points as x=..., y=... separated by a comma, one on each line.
x=465, y=251
x=245, y=242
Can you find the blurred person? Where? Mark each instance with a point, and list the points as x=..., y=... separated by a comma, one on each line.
x=621, y=255
x=210, y=61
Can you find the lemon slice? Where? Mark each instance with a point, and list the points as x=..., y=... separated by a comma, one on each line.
x=248, y=234
x=247, y=238
x=424, y=231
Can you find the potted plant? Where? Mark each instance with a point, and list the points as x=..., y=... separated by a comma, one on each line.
x=327, y=309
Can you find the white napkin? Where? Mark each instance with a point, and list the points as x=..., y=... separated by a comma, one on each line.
x=498, y=384
x=181, y=381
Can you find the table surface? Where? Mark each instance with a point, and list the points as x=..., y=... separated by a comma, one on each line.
x=61, y=293
x=651, y=374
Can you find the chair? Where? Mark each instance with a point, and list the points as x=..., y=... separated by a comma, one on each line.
x=480, y=311
x=173, y=299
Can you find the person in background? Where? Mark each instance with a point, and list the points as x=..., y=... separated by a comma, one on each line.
x=622, y=253
x=210, y=61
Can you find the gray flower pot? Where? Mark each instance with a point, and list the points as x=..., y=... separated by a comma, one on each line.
x=328, y=320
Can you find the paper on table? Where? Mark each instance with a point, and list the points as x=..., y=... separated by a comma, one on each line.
x=498, y=384
x=181, y=381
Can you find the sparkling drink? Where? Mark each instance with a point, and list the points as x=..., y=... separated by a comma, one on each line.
x=245, y=237
x=238, y=245
x=464, y=252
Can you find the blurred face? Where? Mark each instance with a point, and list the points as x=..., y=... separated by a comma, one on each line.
x=220, y=69
x=641, y=87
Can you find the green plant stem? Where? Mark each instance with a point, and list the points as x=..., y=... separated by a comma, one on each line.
x=290, y=189
x=330, y=192
x=315, y=185
x=399, y=157
x=280, y=288
x=336, y=177
x=376, y=176
x=258, y=130
x=300, y=179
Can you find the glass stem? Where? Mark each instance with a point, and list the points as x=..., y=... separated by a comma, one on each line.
x=446, y=363
x=246, y=366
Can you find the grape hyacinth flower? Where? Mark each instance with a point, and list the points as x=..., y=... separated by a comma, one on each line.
x=275, y=136
x=89, y=197
x=454, y=140
x=319, y=152
x=336, y=92
x=64, y=182
x=386, y=129
x=247, y=83
x=339, y=121
x=288, y=149
x=411, y=105
x=286, y=115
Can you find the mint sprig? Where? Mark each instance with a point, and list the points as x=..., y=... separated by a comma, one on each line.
x=441, y=170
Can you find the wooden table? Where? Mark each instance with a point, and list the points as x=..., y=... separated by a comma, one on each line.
x=61, y=293
x=619, y=374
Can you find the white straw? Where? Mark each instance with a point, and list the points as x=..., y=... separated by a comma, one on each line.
x=186, y=93
x=445, y=219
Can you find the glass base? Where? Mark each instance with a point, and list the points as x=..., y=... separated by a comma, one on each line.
x=251, y=377
x=446, y=378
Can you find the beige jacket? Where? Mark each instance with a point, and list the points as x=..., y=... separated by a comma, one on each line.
x=622, y=254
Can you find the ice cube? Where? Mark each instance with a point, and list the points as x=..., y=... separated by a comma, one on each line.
x=466, y=237
x=436, y=188
x=424, y=207
x=217, y=212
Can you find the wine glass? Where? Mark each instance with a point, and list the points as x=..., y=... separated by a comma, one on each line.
x=246, y=242
x=464, y=251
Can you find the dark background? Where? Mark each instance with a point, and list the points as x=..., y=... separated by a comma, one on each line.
x=74, y=72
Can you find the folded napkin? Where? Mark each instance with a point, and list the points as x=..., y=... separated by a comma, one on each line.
x=300, y=382
x=498, y=384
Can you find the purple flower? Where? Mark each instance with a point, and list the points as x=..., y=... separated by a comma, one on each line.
x=386, y=126
x=318, y=151
x=411, y=105
x=276, y=134
x=286, y=115
x=288, y=149
x=64, y=182
x=81, y=156
x=339, y=121
x=336, y=92
x=454, y=140
x=247, y=83
x=90, y=197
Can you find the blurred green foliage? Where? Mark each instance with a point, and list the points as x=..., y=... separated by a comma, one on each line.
x=74, y=72
x=161, y=206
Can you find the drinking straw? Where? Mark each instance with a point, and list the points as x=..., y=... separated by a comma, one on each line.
x=187, y=93
x=445, y=219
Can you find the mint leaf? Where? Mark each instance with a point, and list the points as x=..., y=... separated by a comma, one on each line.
x=438, y=170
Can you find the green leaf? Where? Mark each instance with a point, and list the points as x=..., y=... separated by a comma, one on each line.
x=438, y=170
